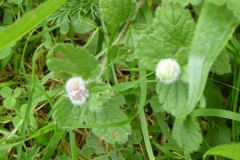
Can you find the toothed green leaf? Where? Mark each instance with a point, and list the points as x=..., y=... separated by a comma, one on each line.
x=173, y=97
x=100, y=93
x=172, y=33
x=108, y=114
x=116, y=12
x=65, y=60
x=221, y=65
x=187, y=134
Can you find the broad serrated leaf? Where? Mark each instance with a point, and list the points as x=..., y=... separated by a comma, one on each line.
x=187, y=134
x=230, y=151
x=116, y=12
x=66, y=114
x=234, y=5
x=172, y=33
x=110, y=113
x=100, y=93
x=221, y=65
x=214, y=28
x=64, y=60
x=173, y=98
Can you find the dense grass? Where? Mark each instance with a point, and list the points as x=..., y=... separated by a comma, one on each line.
x=115, y=46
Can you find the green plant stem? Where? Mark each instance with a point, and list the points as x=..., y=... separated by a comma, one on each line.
x=142, y=115
x=73, y=145
x=235, y=125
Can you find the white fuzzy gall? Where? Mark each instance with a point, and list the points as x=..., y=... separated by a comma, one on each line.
x=76, y=91
x=168, y=70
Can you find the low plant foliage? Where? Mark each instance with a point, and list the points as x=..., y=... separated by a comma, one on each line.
x=119, y=79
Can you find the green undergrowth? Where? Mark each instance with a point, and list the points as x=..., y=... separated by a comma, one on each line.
x=119, y=79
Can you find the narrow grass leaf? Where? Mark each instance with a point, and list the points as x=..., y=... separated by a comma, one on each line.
x=52, y=145
x=216, y=113
x=28, y=22
x=142, y=117
x=73, y=145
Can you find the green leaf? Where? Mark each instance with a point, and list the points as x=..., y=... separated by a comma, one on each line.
x=9, y=102
x=110, y=113
x=95, y=143
x=102, y=157
x=230, y=151
x=234, y=5
x=116, y=155
x=217, y=2
x=172, y=33
x=63, y=157
x=214, y=28
x=64, y=28
x=173, y=98
x=17, y=92
x=187, y=2
x=5, y=52
x=100, y=93
x=116, y=12
x=87, y=151
x=82, y=25
x=211, y=91
x=187, y=134
x=6, y=92
x=218, y=134
x=15, y=1
x=221, y=65
x=28, y=22
x=135, y=137
x=66, y=114
x=64, y=60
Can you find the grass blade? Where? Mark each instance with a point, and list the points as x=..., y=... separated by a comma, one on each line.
x=28, y=22
x=142, y=115
x=217, y=113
